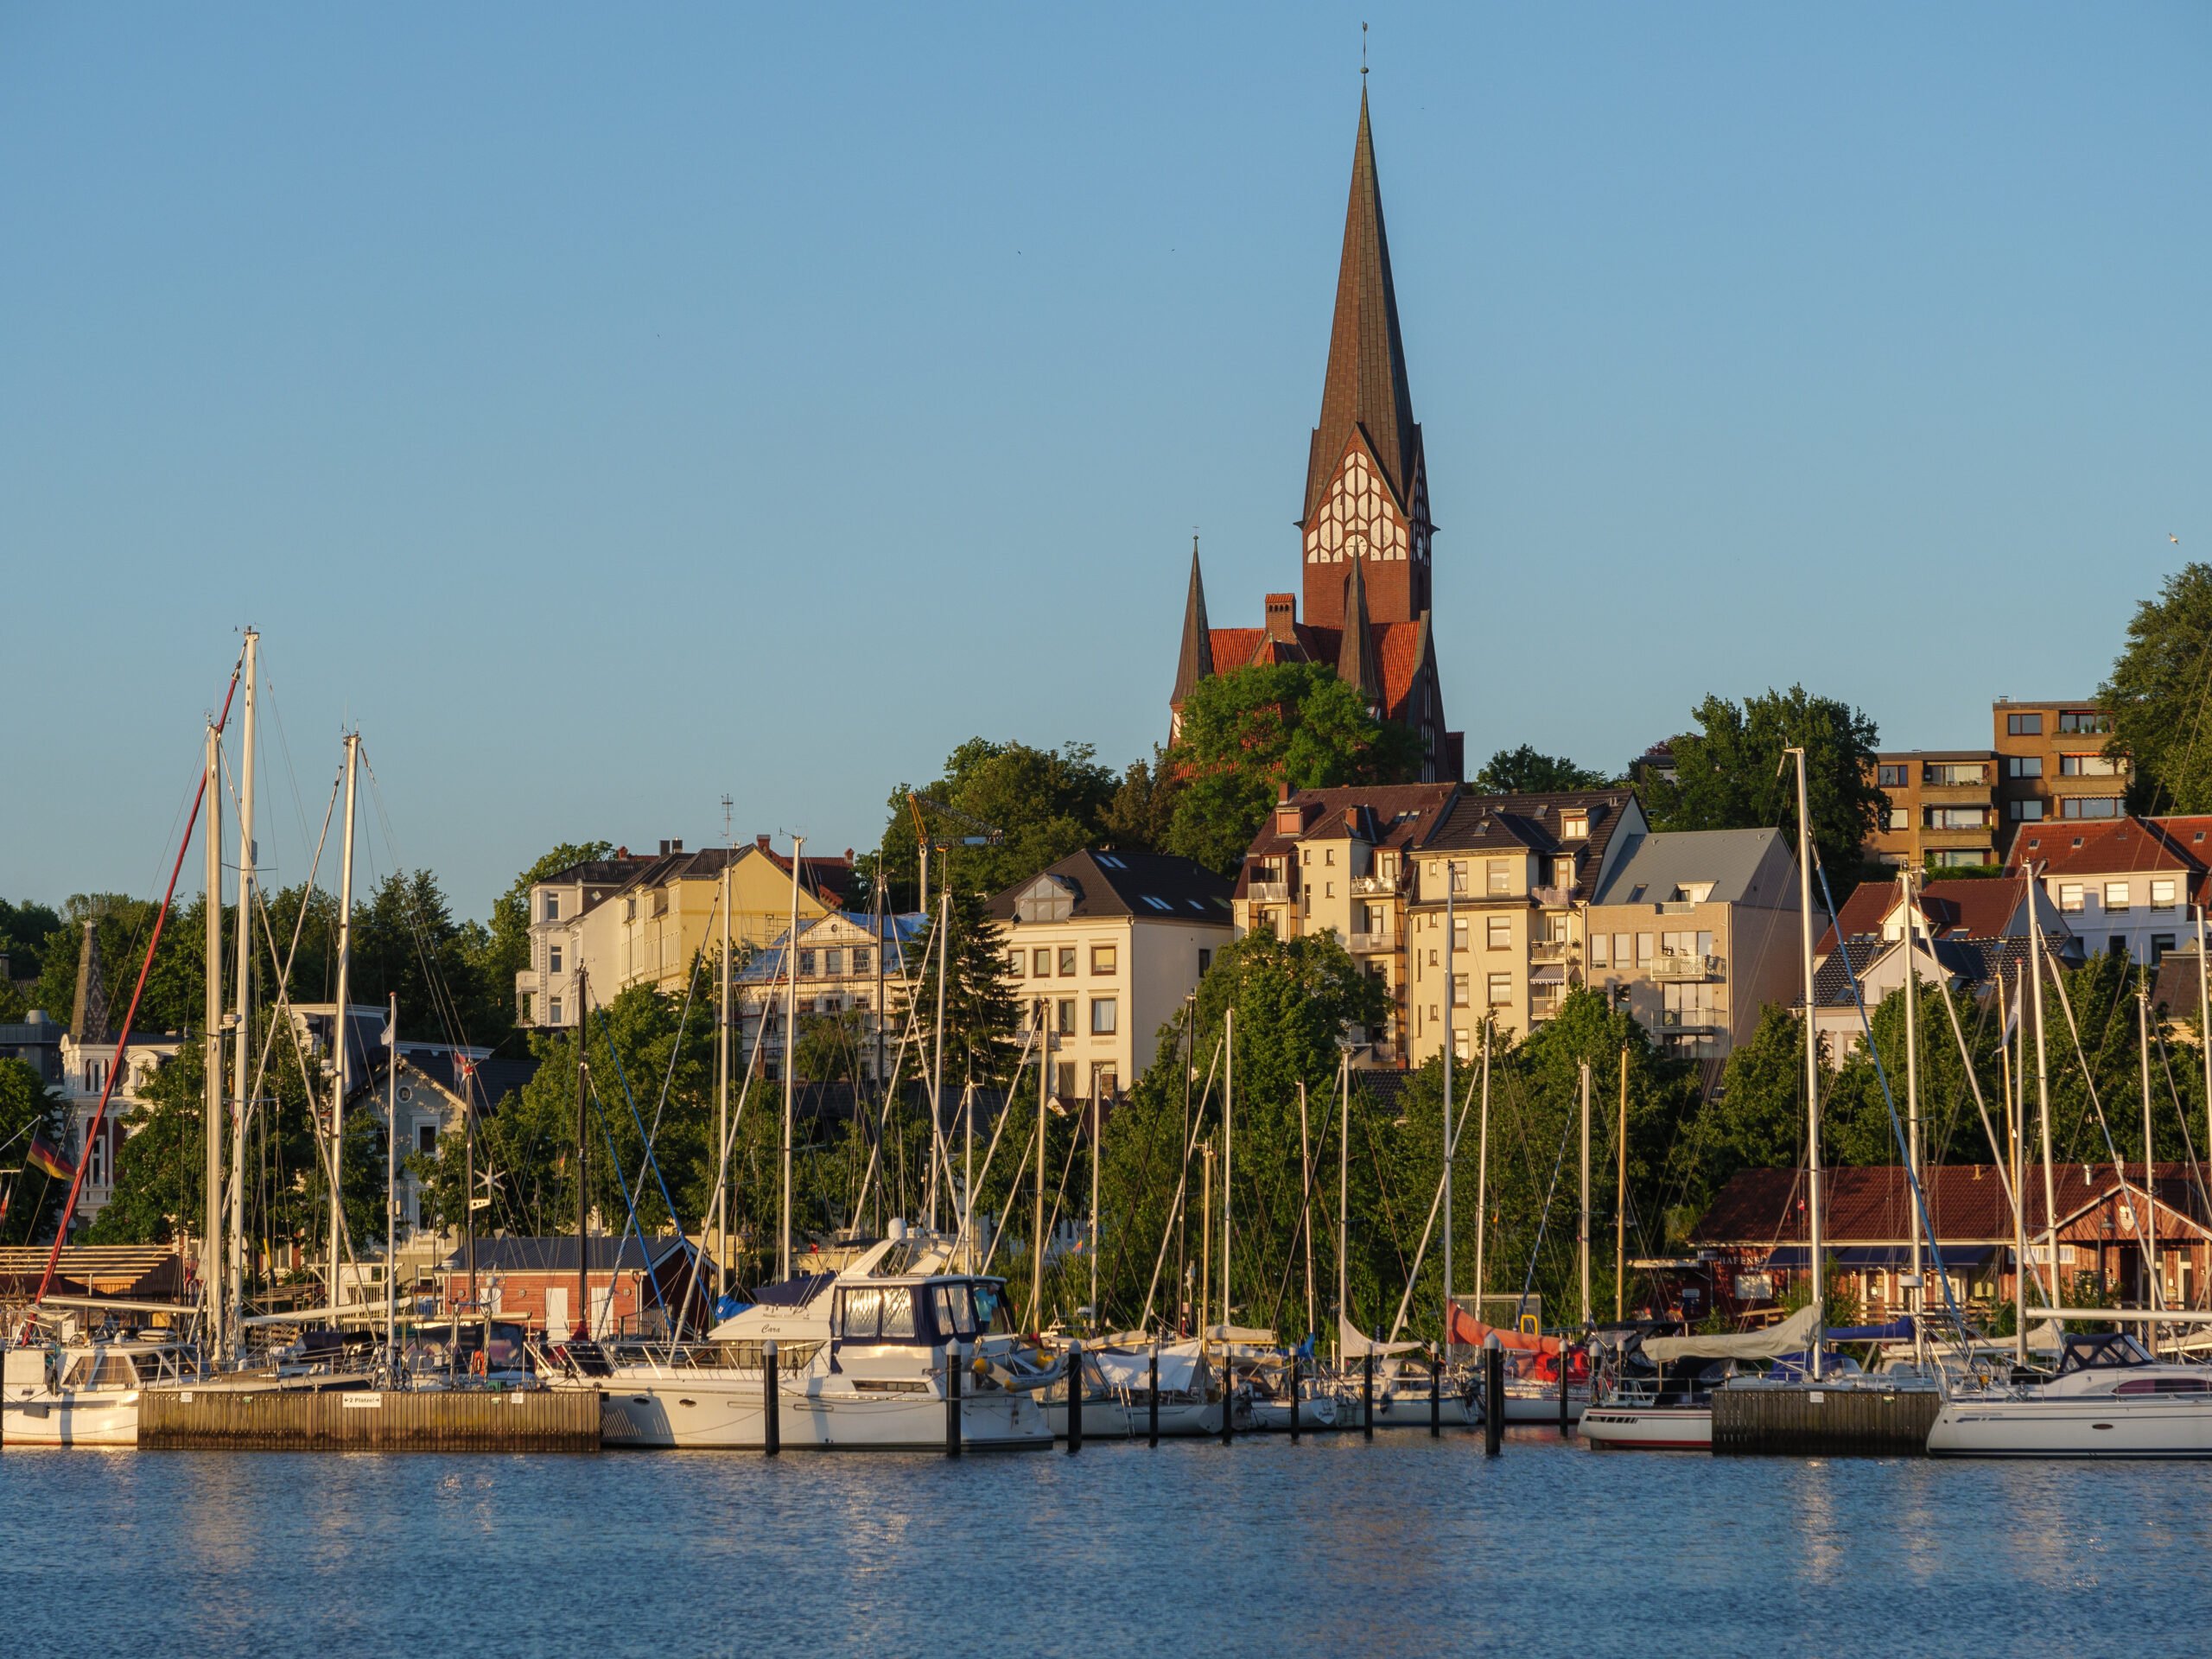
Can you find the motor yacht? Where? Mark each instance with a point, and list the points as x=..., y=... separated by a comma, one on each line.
x=67, y=1389
x=2110, y=1398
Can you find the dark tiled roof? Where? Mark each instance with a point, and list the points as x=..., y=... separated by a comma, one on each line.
x=2110, y=847
x=1151, y=887
x=1398, y=648
x=1496, y=822
x=559, y=1254
x=1966, y=1202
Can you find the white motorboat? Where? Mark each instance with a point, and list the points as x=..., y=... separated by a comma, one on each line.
x=75, y=1391
x=2109, y=1399
x=863, y=1360
x=1654, y=1425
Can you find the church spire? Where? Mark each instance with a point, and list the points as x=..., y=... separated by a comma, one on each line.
x=1365, y=389
x=1356, y=664
x=1196, y=662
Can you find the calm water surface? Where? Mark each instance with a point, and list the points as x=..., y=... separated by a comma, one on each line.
x=1403, y=1547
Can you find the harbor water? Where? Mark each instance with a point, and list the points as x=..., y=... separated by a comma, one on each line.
x=1406, y=1546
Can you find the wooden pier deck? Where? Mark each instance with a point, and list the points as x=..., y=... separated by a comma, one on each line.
x=367, y=1420
x=1824, y=1422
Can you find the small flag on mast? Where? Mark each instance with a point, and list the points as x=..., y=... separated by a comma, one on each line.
x=44, y=1157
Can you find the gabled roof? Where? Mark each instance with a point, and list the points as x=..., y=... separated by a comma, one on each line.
x=1365, y=394
x=895, y=934
x=1477, y=824
x=1964, y=960
x=2105, y=847
x=1983, y=908
x=1146, y=886
x=1741, y=866
x=1872, y=1204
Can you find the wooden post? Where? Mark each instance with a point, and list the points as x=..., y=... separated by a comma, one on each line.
x=1435, y=1397
x=1367, y=1390
x=1295, y=1367
x=952, y=1358
x=1152, y=1409
x=771, y=1427
x=1075, y=1396
x=1493, y=1399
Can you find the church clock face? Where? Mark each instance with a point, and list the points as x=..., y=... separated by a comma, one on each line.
x=1357, y=520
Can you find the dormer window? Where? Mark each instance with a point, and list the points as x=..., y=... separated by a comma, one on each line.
x=1574, y=826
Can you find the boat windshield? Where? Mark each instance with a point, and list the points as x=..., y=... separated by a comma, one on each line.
x=2107, y=1350
x=967, y=1308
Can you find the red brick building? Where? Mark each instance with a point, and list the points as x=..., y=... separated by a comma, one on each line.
x=636, y=1284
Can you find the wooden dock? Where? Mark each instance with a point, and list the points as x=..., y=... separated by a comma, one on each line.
x=1814, y=1422
x=367, y=1420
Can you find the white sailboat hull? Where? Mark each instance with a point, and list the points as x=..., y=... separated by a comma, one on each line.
x=1534, y=1409
x=1670, y=1428
x=72, y=1417
x=2170, y=1426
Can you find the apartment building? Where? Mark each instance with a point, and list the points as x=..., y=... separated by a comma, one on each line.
x=2126, y=885
x=845, y=963
x=643, y=920
x=1106, y=945
x=1493, y=916
x=1941, y=811
x=1340, y=860
x=2052, y=764
x=1694, y=931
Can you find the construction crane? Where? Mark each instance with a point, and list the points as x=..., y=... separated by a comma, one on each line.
x=980, y=835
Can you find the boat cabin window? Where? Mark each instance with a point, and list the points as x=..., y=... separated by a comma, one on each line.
x=955, y=1315
x=2102, y=1352
x=875, y=1313
x=101, y=1371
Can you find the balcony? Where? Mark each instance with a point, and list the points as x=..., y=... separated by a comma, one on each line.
x=1372, y=944
x=1550, y=898
x=1690, y=966
x=1550, y=950
x=1268, y=892
x=1373, y=886
x=1688, y=1020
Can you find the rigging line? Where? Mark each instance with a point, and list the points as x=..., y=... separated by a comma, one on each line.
x=606, y=1034
x=291, y=955
x=2181, y=1113
x=1435, y=1206
x=967, y=1199
x=2119, y=1169
x=266, y=690
x=1182, y=1184
x=1052, y=1221
x=1543, y=1221
x=444, y=1006
x=621, y=1186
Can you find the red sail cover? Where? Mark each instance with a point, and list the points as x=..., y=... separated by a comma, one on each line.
x=1470, y=1333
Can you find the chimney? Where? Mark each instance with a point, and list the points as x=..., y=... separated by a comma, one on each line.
x=1282, y=618
x=664, y=847
x=761, y=841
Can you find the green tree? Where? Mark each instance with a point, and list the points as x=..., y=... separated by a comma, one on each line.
x=1041, y=804
x=981, y=1013
x=2157, y=696
x=27, y=1108
x=407, y=942
x=1249, y=733
x=1141, y=815
x=24, y=930
x=1756, y=1119
x=1730, y=774
x=1526, y=772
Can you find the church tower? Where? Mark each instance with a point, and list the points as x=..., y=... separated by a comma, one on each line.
x=1366, y=489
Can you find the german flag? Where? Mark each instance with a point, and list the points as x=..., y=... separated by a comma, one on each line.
x=43, y=1156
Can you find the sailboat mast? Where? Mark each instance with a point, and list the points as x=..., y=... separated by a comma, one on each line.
x=1582, y=1223
x=1227, y=1144
x=2151, y=1274
x=242, y=1038
x=1450, y=993
x=1482, y=1174
x=1037, y=1224
x=791, y=1060
x=392, y=1182
x=937, y=1156
x=721, y=1095
x=2204, y=1040
x=211, y=1054
x=583, y=1146
x=2042, y=1092
x=1909, y=881
x=1620, y=1201
x=1305, y=1168
x=1344, y=1196
x=2016, y=1108
x=1815, y=1258
x=341, y=1027
x=1096, y=1120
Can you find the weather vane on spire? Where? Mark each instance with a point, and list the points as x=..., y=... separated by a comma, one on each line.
x=1363, y=49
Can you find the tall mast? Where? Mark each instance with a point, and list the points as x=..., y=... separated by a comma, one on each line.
x=790, y=1057
x=392, y=1182
x=1908, y=881
x=242, y=1038
x=1305, y=1167
x=583, y=1149
x=2204, y=1034
x=938, y=1157
x=1482, y=1173
x=2042, y=1092
x=1227, y=1144
x=1582, y=1225
x=2150, y=1166
x=211, y=1055
x=1343, y=1194
x=1815, y=1257
x=1205, y=1237
x=2015, y=1132
x=341, y=1028
x=721, y=1095
x=1620, y=1201
x=1037, y=1226
x=1450, y=991
x=1097, y=1121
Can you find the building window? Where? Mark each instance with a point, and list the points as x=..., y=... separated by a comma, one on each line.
x=1067, y=961
x=2024, y=725
x=2024, y=765
x=1105, y=1079
x=2027, y=812
x=1040, y=964
x=1953, y=774
x=1623, y=950
x=833, y=962
x=552, y=907
x=1205, y=961
x=2090, y=806
x=553, y=1010
x=1500, y=879
x=1064, y=1079
x=1105, y=1011
x=2160, y=943
x=1067, y=1016
x=1329, y=856
x=1643, y=950
x=806, y=964
x=861, y=961
x=1956, y=818
x=2069, y=896
x=2084, y=720
x=1959, y=858
x=2115, y=895
x=1500, y=932
x=426, y=1139
x=630, y=910
x=1891, y=777
x=2089, y=766
x=1460, y=931
x=1015, y=964
x=1899, y=818
x=2163, y=893
x=1600, y=956
x=1574, y=826
x=1501, y=989
x=1459, y=990
x=552, y=958
x=1103, y=958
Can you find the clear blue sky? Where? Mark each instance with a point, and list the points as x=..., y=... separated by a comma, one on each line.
x=613, y=410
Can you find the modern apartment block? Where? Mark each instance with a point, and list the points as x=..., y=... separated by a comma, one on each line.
x=1942, y=811
x=2051, y=764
